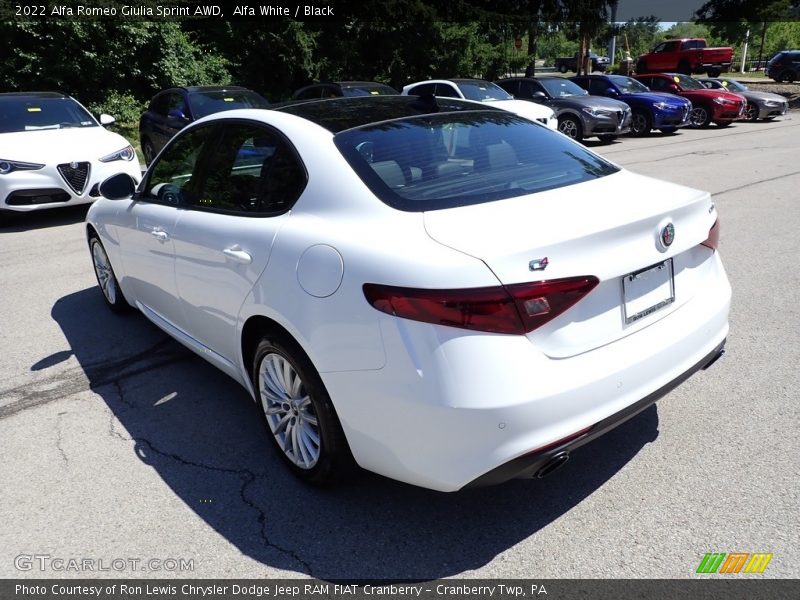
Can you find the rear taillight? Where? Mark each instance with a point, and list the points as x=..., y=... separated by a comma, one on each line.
x=514, y=309
x=712, y=241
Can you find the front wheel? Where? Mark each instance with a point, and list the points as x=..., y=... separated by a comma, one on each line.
x=148, y=151
x=106, y=278
x=299, y=413
x=699, y=117
x=668, y=130
x=751, y=112
x=641, y=123
x=724, y=123
x=607, y=139
x=571, y=127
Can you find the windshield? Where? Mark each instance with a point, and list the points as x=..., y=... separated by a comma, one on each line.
x=731, y=84
x=28, y=113
x=206, y=103
x=562, y=88
x=628, y=85
x=688, y=83
x=367, y=89
x=483, y=91
x=456, y=159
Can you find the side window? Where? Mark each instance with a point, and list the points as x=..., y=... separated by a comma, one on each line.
x=309, y=94
x=160, y=105
x=446, y=91
x=422, y=89
x=598, y=87
x=659, y=48
x=513, y=87
x=174, y=178
x=251, y=171
x=177, y=104
x=671, y=46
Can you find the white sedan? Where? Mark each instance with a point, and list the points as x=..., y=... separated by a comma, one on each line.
x=441, y=292
x=54, y=153
x=478, y=90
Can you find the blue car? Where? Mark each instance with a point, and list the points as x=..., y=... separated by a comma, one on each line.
x=651, y=110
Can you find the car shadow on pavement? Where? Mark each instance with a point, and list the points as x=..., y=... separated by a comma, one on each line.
x=201, y=433
x=11, y=221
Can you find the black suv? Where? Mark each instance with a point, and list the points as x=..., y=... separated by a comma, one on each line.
x=173, y=109
x=784, y=66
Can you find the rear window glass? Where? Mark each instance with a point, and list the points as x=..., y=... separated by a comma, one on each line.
x=456, y=159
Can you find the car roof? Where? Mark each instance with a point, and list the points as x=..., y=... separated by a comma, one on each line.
x=339, y=114
x=33, y=95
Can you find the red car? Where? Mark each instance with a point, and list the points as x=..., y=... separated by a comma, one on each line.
x=708, y=106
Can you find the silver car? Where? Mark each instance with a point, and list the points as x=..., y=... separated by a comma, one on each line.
x=760, y=105
x=579, y=114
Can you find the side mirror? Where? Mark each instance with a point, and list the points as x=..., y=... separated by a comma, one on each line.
x=611, y=92
x=176, y=113
x=106, y=119
x=673, y=88
x=538, y=96
x=118, y=187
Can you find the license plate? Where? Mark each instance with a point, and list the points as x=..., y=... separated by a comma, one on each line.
x=646, y=291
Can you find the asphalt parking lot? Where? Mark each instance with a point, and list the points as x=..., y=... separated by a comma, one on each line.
x=117, y=443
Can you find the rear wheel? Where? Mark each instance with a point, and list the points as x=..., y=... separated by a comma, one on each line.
x=571, y=127
x=299, y=413
x=713, y=72
x=723, y=123
x=790, y=76
x=562, y=69
x=699, y=117
x=669, y=130
x=641, y=123
x=683, y=67
x=751, y=112
x=148, y=151
x=607, y=139
x=106, y=278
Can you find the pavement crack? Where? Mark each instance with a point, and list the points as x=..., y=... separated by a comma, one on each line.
x=246, y=476
x=60, y=438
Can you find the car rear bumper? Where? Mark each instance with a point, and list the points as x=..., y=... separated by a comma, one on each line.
x=452, y=406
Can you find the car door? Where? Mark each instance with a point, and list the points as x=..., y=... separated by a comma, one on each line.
x=223, y=239
x=148, y=225
x=663, y=57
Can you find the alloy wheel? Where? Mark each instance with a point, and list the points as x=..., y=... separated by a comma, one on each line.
x=698, y=117
x=569, y=128
x=105, y=275
x=751, y=112
x=289, y=411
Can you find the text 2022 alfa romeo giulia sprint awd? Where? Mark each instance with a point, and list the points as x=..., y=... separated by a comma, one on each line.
x=444, y=293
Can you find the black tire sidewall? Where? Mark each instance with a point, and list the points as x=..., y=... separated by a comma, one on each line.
x=335, y=460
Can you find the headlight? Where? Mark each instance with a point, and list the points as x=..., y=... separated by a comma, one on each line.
x=7, y=166
x=661, y=105
x=591, y=110
x=772, y=103
x=719, y=100
x=126, y=153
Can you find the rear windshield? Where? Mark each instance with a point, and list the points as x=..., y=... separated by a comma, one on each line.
x=206, y=103
x=368, y=89
x=456, y=159
x=28, y=113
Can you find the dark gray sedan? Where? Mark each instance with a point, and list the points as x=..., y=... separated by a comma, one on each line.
x=579, y=114
x=760, y=105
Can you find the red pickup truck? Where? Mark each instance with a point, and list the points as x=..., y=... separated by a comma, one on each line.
x=691, y=55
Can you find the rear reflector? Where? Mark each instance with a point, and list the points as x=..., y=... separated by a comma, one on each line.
x=712, y=241
x=514, y=309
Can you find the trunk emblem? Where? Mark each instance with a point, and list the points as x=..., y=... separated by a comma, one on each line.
x=539, y=264
x=668, y=235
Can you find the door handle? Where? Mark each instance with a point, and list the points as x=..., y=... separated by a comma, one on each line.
x=160, y=235
x=239, y=255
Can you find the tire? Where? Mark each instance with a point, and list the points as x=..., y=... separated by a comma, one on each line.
x=606, y=139
x=148, y=151
x=571, y=127
x=562, y=69
x=106, y=278
x=683, y=67
x=641, y=123
x=699, y=117
x=298, y=412
x=790, y=76
x=713, y=72
x=668, y=130
x=751, y=112
x=724, y=123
